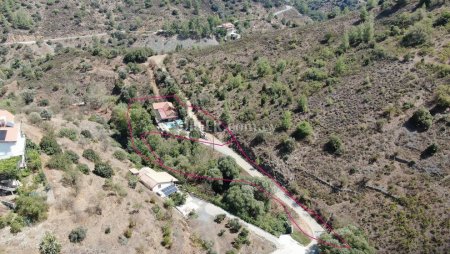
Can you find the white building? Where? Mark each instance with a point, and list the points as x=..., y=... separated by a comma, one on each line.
x=162, y=183
x=12, y=140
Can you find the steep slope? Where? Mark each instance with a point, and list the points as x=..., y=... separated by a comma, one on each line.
x=367, y=162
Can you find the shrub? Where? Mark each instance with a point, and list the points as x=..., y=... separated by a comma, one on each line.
x=302, y=103
x=27, y=96
x=32, y=208
x=103, y=169
x=168, y=203
x=86, y=134
x=178, y=198
x=46, y=114
x=34, y=118
x=91, y=155
x=286, y=121
x=422, y=119
x=263, y=67
x=16, y=224
x=49, y=145
x=334, y=145
x=34, y=160
x=60, y=161
x=443, y=19
x=9, y=169
x=220, y=217
x=132, y=181
x=77, y=235
x=83, y=168
x=49, y=245
x=167, y=237
x=128, y=233
x=356, y=240
x=21, y=20
x=233, y=225
x=417, y=35
x=287, y=145
x=70, y=178
x=316, y=74
x=68, y=133
x=443, y=96
x=304, y=129
x=72, y=156
x=120, y=155
x=43, y=103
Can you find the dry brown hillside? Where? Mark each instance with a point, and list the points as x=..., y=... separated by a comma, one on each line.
x=382, y=178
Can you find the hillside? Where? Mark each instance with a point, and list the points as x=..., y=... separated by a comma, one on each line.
x=23, y=20
x=328, y=109
x=347, y=107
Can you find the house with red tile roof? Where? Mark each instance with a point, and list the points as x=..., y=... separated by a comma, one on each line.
x=165, y=111
x=12, y=140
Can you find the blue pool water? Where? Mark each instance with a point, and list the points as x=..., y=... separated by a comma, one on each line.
x=175, y=124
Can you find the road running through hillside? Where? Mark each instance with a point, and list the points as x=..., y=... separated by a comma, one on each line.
x=287, y=8
x=55, y=39
x=307, y=222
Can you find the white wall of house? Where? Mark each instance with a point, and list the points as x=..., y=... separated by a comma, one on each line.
x=11, y=149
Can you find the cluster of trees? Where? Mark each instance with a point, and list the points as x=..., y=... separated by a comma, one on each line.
x=196, y=27
x=353, y=236
x=12, y=15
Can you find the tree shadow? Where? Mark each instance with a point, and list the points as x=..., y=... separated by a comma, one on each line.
x=437, y=110
x=411, y=126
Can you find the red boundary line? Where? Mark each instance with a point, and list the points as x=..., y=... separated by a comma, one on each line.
x=344, y=245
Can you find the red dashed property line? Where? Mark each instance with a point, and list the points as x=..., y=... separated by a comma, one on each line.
x=232, y=140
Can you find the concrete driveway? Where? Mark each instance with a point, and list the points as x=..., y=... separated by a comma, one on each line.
x=207, y=212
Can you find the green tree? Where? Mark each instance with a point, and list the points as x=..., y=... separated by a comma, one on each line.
x=49, y=245
x=22, y=20
x=340, y=66
x=77, y=235
x=371, y=4
x=91, y=155
x=422, y=119
x=345, y=44
x=443, y=96
x=286, y=121
x=334, y=145
x=363, y=14
x=304, y=130
x=103, y=169
x=369, y=30
x=32, y=208
x=240, y=200
x=46, y=114
x=287, y=145
x=263, y=67
x=216, y=185
x=302, y=103
x=227, y=165
x=49, y=145
x=225, y=117
x=137, y=55
x=353, y=236
x=417, y=35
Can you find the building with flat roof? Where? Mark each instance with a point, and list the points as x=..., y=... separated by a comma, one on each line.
x=12, y=141
x=162, y=183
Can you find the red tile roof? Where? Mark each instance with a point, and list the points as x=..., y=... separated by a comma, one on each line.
x=166, y=110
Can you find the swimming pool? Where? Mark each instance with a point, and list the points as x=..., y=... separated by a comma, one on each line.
x=175, y=124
